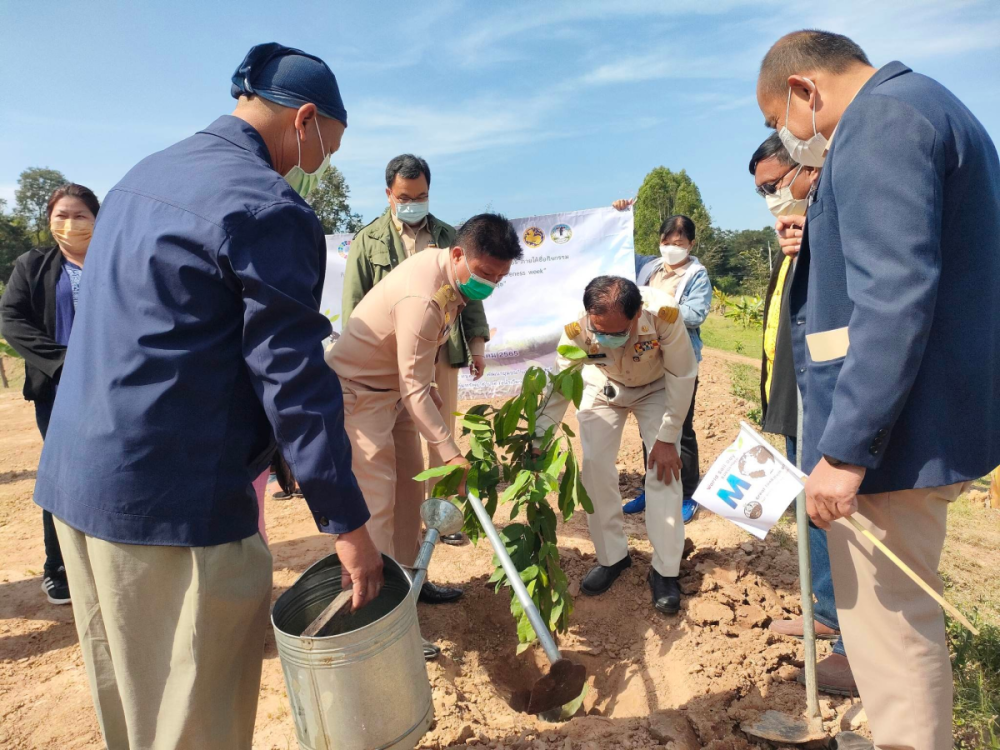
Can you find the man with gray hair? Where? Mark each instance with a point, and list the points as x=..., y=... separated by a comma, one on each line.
x=899, y=254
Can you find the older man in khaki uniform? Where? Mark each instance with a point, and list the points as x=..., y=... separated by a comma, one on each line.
x=386, y=360
x=640, y=361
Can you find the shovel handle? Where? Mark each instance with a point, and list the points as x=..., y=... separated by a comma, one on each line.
x=514, y=578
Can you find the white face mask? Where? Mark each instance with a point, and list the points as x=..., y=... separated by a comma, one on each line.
x=303, y=182
x=783, y=202
x=672, y=254
x=811, y=152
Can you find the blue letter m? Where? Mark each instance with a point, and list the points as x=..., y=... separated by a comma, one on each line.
x=737, y=485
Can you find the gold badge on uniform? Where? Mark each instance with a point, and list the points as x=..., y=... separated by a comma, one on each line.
x=667, y=313
x=444, y=295
x=594, y=348
x=447, y=317
x=573, y=330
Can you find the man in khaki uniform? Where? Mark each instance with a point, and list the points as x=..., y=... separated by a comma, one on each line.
x=406, y=228
x=640, y=360
x=386, y=361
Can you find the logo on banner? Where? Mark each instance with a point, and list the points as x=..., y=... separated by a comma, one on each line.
x=756, y=463
x=561, y=234
x=343, y=248
x=533, y=236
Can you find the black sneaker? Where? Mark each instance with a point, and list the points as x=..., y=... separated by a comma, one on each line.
x=56, y=587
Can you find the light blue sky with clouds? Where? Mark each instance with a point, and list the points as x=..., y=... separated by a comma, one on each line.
x=529, y=108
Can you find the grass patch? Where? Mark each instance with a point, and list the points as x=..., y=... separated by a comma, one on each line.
x=718, y=332
x=976, y=670
x=745, y=384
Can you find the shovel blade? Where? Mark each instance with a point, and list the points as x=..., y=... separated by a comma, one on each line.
x=563, y=683
x=775, y=726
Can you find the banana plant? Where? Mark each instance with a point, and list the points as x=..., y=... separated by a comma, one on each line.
x=505, y=448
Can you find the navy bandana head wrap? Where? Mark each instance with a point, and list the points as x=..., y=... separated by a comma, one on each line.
x=289, y=77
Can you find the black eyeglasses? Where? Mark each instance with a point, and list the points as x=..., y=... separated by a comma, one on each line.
x=770, y=188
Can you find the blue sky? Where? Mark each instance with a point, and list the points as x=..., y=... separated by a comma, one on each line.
x=528, y=108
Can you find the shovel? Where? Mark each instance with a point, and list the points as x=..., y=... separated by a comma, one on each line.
x=776, y=726
x=565, y=680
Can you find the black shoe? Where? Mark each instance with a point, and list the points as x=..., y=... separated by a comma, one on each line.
x=455, y=540
x=431, y=594
x=666, y=593
x=600, y=577
x=56, y=587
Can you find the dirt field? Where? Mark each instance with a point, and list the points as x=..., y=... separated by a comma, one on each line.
x=684, y=682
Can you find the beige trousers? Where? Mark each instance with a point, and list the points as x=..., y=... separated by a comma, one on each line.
x=446, y=378
x=386, y=454
x=601, y=424
x=894, y=632
x=172, y=638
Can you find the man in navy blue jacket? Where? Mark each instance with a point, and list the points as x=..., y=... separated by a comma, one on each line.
x=896, y=348
x=196, y=348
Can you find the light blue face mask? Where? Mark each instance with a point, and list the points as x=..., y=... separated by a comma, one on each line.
x=303, y=182
x=412, y=213
x=611, y=340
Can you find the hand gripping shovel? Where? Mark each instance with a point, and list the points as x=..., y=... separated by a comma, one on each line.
x=565, y=680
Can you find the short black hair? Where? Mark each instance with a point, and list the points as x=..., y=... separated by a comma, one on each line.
x=772, y=147
x=407, y=166
x=489, y=234
x=804, y=51
x=607, y=294
x=678, y=224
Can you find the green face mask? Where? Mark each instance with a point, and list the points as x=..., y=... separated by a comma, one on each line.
x=476, y=288
x=303, y=182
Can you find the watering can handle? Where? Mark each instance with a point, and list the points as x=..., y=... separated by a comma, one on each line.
x=514, y=577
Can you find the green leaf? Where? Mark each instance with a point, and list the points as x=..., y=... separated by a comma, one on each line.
x=566, y=385
x=583, y=498
x=513, y=416
x=522, y=647
x=567, y=430
x=530, y=409
x=571, y=352
x=577, y=388
x=530, y=573
x=555, y=614
x=437, y=471
x=556, y=464
x=525, y=633
x=498, y=575
x=475, y=425
x=522, y=479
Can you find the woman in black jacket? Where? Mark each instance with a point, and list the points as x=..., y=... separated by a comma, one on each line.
x=37, y=312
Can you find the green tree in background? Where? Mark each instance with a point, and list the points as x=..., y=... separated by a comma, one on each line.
x=664, y=193
x=329, y=200
x=14, y=241
x=34, y=187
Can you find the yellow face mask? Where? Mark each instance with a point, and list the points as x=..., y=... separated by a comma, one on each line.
x=73, y=235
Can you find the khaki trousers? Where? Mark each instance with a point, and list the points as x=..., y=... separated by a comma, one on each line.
x=386, y=453
x=601, y=424
x=894, y=632
x=446, y=378
x=172, y=638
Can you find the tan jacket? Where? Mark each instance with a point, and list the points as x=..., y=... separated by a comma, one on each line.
x=393, y=336
x=659, y=347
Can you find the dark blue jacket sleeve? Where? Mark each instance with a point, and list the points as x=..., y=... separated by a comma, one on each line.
x=888, y=172
x=279, y=258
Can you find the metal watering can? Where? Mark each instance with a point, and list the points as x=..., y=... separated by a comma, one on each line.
x=367, y=688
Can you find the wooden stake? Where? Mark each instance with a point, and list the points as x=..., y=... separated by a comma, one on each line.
x=913, y=576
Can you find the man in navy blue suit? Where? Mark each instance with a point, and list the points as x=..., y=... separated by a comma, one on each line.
x=900, y=251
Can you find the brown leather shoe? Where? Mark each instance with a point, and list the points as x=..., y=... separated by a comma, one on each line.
x=793, y=628
x=833, y=676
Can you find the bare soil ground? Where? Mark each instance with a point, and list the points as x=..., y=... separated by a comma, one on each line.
x=684, y=682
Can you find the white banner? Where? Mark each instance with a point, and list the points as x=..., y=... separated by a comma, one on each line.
x=331, y=303
x=542, y=293
x=751, y=483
